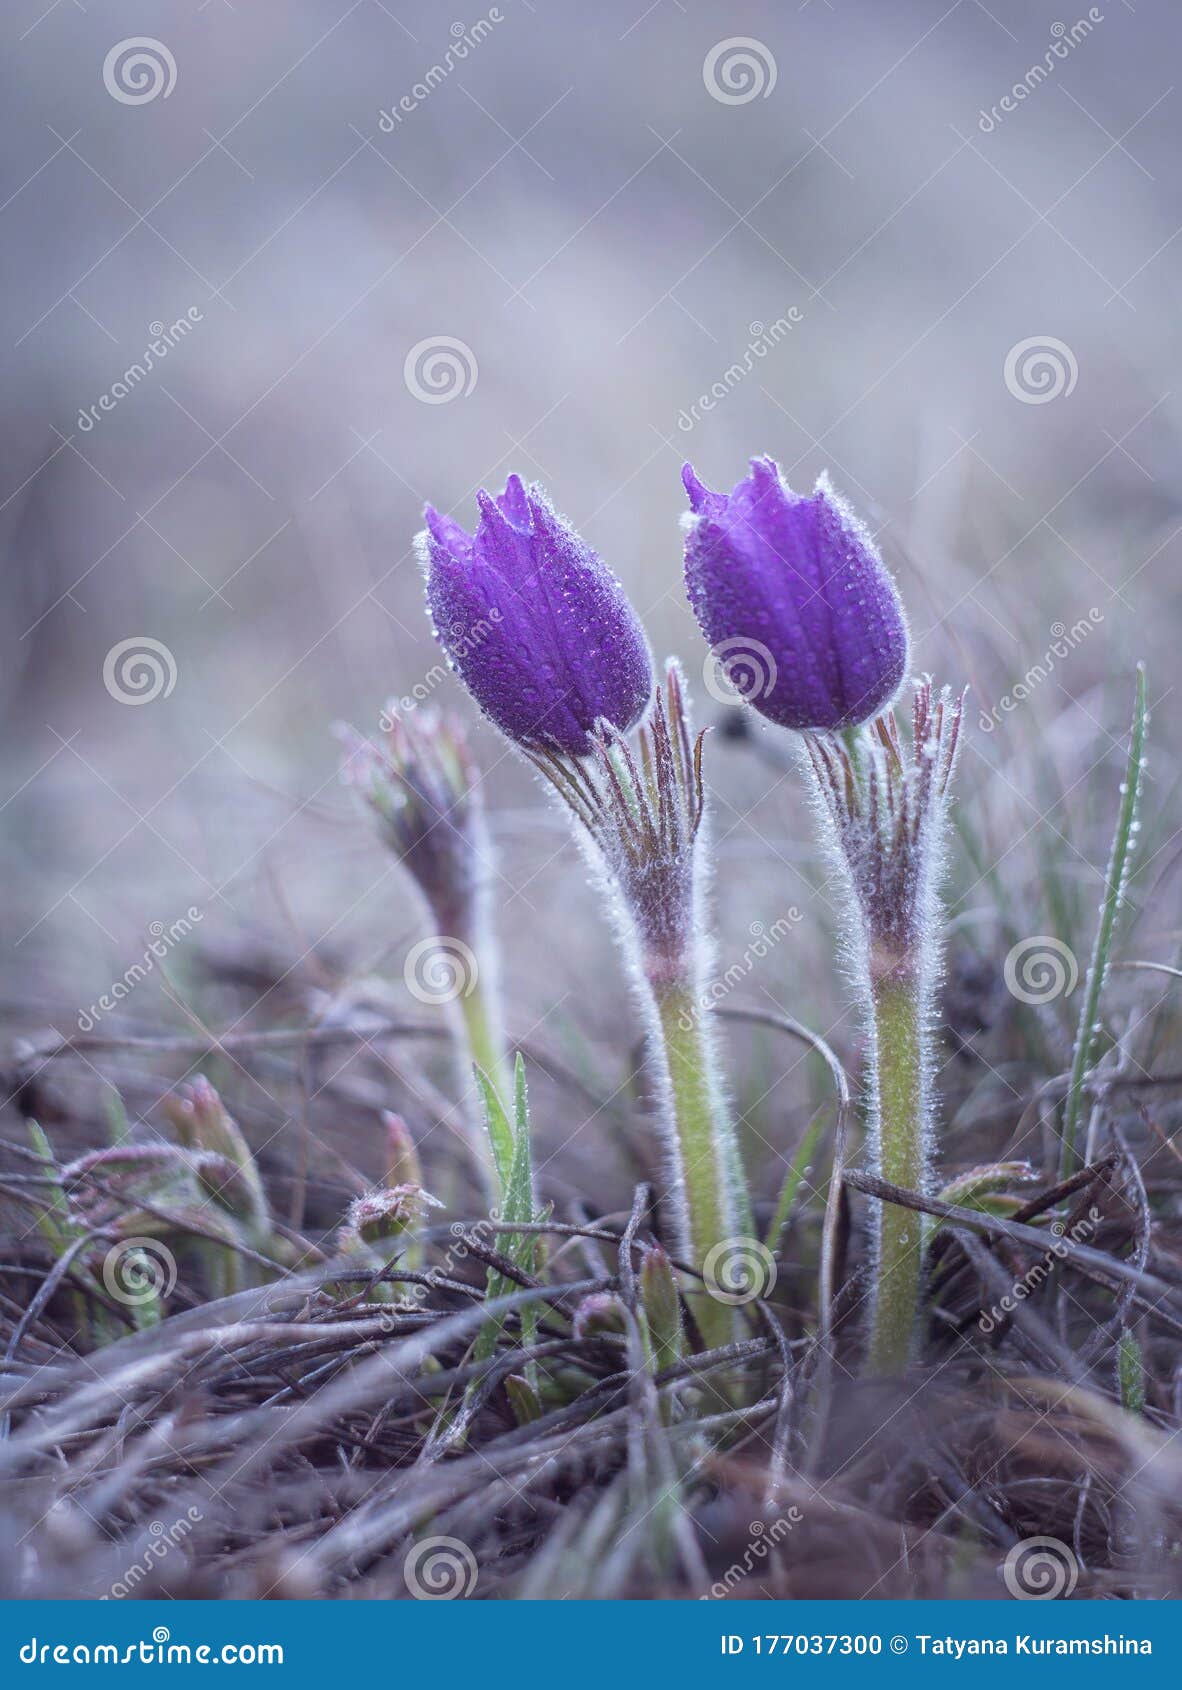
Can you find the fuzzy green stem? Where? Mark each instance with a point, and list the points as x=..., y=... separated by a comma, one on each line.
x=703, y=1135
x=899, y=1088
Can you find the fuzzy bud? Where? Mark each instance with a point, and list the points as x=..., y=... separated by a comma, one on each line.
x=538, y=628
x=600, y=1315
x=423, y=790
x=794, y=599
x=662, y=1308
x=202, y=1123
x=402, y=1158
x=382, y=1216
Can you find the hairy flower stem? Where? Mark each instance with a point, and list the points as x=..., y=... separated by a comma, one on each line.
x=899, y=1069
x=883, y=808
x=703, y=1150
x=641, y=808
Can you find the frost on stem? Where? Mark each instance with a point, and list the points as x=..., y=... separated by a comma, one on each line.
x=641, y=811
x=883, y=805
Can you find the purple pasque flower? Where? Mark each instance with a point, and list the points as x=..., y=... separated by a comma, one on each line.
x=799, y=610
x=537, y=626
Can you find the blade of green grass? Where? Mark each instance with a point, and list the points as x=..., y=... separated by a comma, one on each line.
x=805, y=1151
x=511, y=1149
x=54, y=1222
x=1118, y=864
x=500, y=1130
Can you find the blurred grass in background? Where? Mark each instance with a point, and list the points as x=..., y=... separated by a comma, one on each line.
x=606, y=240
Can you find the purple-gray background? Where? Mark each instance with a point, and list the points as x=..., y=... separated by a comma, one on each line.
x=604, y=236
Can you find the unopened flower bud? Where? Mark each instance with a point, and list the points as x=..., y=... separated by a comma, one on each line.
x=402, y=1158
x=662, y=1308
x=423, y=789
x=794, y=600
x=384, y=1215
x=600, y=1315
x=537, y=626
x=201, y=1122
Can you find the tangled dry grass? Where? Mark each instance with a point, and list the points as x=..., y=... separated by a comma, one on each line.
x=307, y=1435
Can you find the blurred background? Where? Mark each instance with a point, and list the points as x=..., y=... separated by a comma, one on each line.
x=392, y=252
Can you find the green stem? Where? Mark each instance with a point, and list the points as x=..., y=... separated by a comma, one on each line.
x=486, y=1049
x=899, y=1089
x=704, y=1139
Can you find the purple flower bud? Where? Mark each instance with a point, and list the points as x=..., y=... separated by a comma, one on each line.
x=794, y=599
x=537, y=626
x=423, y=789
